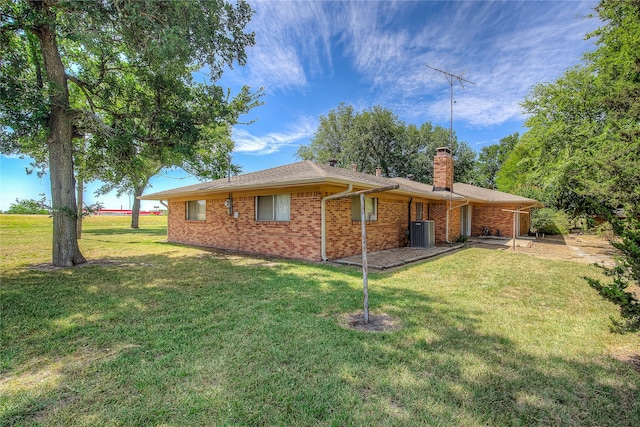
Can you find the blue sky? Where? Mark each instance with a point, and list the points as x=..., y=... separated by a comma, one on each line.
x=311, y=55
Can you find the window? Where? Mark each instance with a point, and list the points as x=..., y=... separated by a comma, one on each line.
x=197, y=210
x=273, y=208
x=370, y=208
x=418, y=211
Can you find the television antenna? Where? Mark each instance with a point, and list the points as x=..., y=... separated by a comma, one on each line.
x=451, y=78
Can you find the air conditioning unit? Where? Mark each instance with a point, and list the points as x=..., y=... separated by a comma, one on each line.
x=423, y=234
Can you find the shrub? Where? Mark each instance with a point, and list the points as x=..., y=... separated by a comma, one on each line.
x=27, y=207
x=626, y=272
x=462, y=238
x=550, y=221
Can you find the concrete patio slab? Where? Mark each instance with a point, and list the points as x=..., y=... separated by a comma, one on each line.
x=521, y=242
x=396, y=257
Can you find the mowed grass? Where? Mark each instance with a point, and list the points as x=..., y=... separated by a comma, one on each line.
x=152, y=333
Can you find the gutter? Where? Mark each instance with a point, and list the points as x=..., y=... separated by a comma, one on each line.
x=323, y=225
x=409, y=221
x=537, y=205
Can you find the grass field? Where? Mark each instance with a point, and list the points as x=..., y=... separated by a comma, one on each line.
x=151, y=333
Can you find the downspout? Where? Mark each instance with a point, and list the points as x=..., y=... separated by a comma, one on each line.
x=323, y=226
x=409, y=220
x=446, y=236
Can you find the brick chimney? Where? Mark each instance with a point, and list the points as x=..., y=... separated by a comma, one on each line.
x=443, y=170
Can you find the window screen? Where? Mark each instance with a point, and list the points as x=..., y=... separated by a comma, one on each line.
x=196, y=210
x=273, y=208
x=370, y=208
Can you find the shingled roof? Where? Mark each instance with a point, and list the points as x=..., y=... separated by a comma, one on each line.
x=307, y=172
x=300, y=173
x=425, y=190
x=479, y=194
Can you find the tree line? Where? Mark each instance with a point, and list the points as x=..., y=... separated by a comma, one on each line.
x=376, y=137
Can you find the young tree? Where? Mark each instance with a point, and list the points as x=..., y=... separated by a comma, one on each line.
x=97, y=46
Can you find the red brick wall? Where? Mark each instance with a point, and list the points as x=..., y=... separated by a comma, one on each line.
x=344, y=236
x=454, y=223
x=495, y=218
x=443, y=169
x=298, y=238
x=438, y=213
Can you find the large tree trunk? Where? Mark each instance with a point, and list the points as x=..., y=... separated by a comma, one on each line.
x=80, y=205
x=66, y=251
x=135, y=211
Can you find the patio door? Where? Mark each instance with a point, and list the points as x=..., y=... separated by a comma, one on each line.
x=465, y=220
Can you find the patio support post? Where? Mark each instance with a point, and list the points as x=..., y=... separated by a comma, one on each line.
x=517, y=211
x=363, y=226
x=365, y=279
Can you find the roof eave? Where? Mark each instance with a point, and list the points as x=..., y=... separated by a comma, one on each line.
x=294, y=183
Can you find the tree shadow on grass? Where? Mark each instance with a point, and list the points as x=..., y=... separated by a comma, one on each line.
x=152, y=231
x=250, y=341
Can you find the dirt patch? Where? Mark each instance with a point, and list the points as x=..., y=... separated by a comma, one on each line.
x=584, y=248
x=378, y=322
x=90, y=263
x=630, y=358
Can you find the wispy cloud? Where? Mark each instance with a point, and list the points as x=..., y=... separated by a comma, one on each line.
x=504, y=47
x=503, y=56
x=292, y=43
x=293, y=134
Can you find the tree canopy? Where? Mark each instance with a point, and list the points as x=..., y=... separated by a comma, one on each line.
x=582, y=147
x=490, y=161
x=581, y=152
x=121, y=72
x=377, y=138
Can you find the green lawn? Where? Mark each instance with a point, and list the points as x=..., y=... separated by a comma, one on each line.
x=163, y=334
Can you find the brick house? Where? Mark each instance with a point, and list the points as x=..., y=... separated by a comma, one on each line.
x=297, y=210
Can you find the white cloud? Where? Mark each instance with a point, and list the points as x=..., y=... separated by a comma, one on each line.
x=294, y=134
x=505, y=53
x=293, y=39
x=504, y=47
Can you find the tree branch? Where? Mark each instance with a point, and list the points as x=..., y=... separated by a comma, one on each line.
x=85, y=89
x=89, y=122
